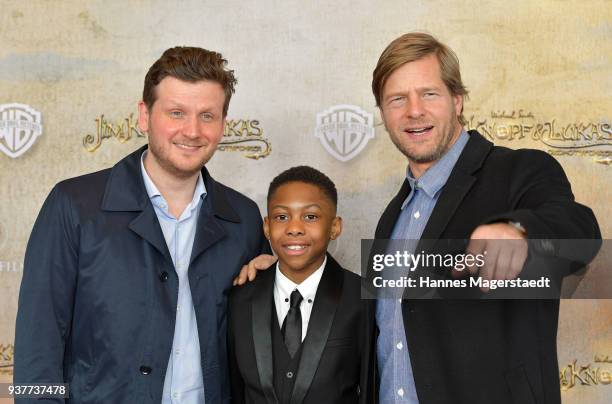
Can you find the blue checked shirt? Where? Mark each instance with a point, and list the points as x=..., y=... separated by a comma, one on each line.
x=184, y=382
x=396, y=377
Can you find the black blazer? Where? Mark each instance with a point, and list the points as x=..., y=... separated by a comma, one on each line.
x=491, y=351
x=335, y=352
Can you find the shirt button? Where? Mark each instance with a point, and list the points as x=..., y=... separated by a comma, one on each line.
x=400, y=392
x=178, y=307
x=175, y=395
x=400, y=345
x=145, y=370
x=417, y=214
x=177, y=351
x=289, y=375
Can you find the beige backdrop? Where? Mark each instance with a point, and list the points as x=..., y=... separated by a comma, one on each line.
x=540, y=75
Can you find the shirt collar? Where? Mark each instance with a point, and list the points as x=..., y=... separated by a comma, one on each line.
x=308, y=288
x=436, y=176
x=153, y=192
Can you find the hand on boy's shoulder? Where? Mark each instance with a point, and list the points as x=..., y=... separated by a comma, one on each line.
x=249, y=271
x=241, y=294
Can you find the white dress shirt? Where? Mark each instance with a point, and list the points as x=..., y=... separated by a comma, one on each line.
x=283, y=287
x=184, y=382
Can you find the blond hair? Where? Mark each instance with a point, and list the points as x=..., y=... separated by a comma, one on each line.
x=414, y=46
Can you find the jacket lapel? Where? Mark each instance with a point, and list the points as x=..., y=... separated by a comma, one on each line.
x=452, y=195
x=125, y=192
x=208, y=232
x=389, y=216
x=456, y=188
x=261, y=312
x=320, y=324
x=215, y=209
x=147, y=226
x=458, y=185
x=384, y=229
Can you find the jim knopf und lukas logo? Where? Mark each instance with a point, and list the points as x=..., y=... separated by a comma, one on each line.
x=344, y=130
x=20, y=126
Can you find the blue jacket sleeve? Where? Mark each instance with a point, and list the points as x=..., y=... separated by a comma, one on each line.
x=46, y=297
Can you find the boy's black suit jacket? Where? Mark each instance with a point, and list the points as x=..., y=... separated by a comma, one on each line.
x=335, y=353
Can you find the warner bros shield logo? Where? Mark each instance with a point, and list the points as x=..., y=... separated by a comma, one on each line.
x=20, y=126
x=344, y=130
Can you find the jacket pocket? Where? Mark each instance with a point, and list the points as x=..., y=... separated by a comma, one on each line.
x=519, y=386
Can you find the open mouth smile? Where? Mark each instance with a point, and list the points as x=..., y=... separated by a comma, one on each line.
x=420, y=131
x=295, y=249
x=187, y=146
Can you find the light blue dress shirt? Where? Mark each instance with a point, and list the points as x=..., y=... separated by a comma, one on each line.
x=184, y=382
x=396, y=377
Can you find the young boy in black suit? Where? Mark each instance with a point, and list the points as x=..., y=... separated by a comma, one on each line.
x=296, y=334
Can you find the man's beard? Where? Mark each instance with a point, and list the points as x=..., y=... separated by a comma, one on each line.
x=434, y=155
x=166, y=163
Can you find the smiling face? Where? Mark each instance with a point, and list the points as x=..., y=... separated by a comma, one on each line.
x=301, y=220
x=420, y=113
x=184, y=124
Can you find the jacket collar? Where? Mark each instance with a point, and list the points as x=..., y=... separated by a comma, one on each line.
x=458, y=184
x=476, y=151
x=125, y=190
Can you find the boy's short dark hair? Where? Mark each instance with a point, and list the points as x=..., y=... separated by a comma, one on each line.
x=307, y=175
